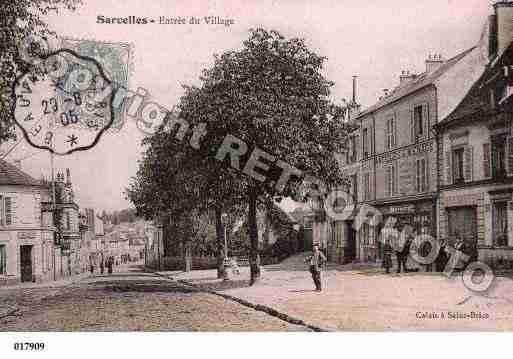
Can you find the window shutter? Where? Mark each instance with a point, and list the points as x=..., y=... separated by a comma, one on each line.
x=387, y=181
x=8, y=211
x=426, y=175
x=448, y=167
x=467, y=163
x=349, y=151
x=425, y=117
x=396, y=179
x=371, y=185
x=357, y=144
x=412, y=125
x=394, y=132
x=417, y=176
x=509, y=155
x=487, y=172
x=371, y=139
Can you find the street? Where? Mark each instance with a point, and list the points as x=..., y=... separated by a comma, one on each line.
x=128, y=300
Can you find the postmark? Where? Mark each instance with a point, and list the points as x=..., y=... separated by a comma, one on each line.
x=68, y=107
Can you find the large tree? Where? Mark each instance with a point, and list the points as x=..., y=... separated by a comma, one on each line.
x=20, y=20
x=272, y=96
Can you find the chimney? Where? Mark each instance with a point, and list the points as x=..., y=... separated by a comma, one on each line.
x=405, y=77
x=354, y=89
x=68, y=177
x=433, y=62
x=504, y=25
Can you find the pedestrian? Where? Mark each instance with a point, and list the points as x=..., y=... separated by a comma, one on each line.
x=387, y=255
x=316, y=261
x=441, y=258
x=91, y=267
x=402, y=255
x=102, y=266
x=110, y=262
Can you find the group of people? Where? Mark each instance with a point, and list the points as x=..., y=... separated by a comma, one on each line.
x=107, y=263
x=440, y=261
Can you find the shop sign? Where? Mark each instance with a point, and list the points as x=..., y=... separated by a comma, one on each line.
x=407, y=208
x=26, y=235
x=405, y=152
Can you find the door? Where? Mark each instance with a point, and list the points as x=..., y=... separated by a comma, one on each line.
x=26, y=263
x=350, y=250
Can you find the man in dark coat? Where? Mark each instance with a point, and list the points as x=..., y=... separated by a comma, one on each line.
x=402, y=255
x=316, y=261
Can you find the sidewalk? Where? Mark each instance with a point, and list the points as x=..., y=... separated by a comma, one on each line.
x=47, y=284
x=367, y=299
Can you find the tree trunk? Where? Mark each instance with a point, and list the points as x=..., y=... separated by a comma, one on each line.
x=220, y=244
x=254, y=260
x=187, y=257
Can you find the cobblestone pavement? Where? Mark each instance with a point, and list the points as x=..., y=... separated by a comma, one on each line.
x=370, y=299
x=129, y=301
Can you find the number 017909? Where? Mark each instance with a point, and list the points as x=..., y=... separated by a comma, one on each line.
x=29, y=346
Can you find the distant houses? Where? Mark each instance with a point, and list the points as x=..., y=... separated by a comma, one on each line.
x=42, y=239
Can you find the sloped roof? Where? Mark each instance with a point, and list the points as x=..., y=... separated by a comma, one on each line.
x=476, y=102
x=12, y=175
x=421, y=81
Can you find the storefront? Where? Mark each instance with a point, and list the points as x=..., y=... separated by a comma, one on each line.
x=416, y=217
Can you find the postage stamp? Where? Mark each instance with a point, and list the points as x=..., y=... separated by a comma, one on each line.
x=114, y=58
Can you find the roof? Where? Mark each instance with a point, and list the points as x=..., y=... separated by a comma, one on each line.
x=476, y=102
x=421, y=81
x=12, y=175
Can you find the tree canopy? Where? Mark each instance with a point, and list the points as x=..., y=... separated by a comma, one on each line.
x=20, y=20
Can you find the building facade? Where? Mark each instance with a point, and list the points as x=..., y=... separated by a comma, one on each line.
x=433, y=154
x=476, y=148
x=28, y=251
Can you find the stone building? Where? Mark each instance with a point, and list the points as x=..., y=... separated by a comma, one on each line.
x=476, y=153
x=28, y=252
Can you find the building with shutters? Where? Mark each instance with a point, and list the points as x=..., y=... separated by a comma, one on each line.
x=476, y=150
x=27, y=249
x=402, y=144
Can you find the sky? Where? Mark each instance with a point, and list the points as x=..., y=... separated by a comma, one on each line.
x=374, y=40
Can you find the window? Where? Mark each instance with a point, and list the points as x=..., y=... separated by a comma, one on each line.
x=354, y=187
x=391, y=180
x=500, y=223
x=3, y=259
x=498, y=156
x=390, y=133
x=5, y=211
x=422, y=175
x=457, y=165
x=352, y=149
x=418, y=121
x=422, y=224
x=366, y=187
x=68, y=221
x=365, y=139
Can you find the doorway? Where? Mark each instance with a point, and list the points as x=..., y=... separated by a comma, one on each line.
x=26, y=263
x=350, y=250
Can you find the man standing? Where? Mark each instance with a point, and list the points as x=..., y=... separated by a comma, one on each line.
x=316, y=261
x=402, y=256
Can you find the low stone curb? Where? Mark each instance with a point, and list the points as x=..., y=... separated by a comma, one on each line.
x=259, y=307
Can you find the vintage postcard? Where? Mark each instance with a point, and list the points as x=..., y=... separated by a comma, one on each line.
x=244, y=166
